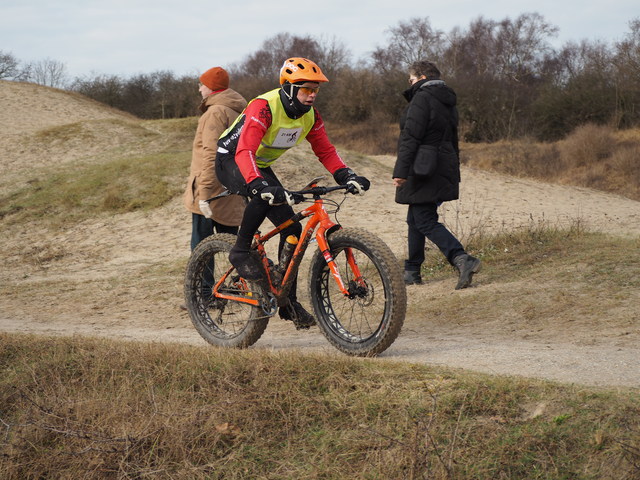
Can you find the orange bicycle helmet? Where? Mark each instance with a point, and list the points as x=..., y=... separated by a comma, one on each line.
x=299, y=69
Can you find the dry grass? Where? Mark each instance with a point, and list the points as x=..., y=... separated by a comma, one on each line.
x=592, y=156
x=83, y=408
x=552, y=281
x=373, y=137
x=80, y=191
x=76, y=408
x=587, y=145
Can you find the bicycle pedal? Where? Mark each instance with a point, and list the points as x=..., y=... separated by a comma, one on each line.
x=268, y=303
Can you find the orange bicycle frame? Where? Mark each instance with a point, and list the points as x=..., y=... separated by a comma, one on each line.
x=318, y=219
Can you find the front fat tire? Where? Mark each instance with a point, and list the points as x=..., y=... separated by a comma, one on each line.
x=369, y=323
x=220, y=322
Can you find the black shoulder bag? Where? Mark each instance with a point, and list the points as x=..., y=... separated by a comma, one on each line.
x=426, y=161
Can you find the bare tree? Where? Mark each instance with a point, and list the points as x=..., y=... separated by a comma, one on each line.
x=332, y=56
x=496, y=68
x=259, y=71
x=582, y=89
x=140, y=95
x=177, y=97
x=521, y=46
x=10, y=67
x=103, y=88
x=266, y=61
x=48, y=72
x=628, y=50
x=627, y=66
x=409, y=41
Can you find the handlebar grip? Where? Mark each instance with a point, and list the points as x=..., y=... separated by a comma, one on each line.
x=320, y=190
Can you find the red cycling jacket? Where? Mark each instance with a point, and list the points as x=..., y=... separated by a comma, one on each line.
x=256, y=122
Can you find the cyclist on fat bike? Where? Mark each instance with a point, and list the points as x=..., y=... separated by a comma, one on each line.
x=271, y=124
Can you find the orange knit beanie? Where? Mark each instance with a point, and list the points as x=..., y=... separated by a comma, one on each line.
x=215, y=78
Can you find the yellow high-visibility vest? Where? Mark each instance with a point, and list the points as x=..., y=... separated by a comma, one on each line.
x=283, y=133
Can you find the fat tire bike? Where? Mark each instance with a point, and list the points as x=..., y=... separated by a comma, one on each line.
x=355, y=283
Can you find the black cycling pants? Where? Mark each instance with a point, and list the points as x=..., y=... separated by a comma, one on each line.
x=257, y=209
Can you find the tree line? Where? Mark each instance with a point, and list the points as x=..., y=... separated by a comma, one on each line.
x=510, y=81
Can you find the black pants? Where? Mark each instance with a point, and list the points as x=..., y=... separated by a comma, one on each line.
x=422, y=220
x=202, y=227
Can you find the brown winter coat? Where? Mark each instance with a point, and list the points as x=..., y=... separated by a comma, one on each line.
x=222, y=108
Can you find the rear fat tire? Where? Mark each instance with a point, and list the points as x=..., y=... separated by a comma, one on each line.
x=220, y=322
x=368, y=323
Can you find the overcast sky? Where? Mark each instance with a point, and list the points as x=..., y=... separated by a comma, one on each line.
x=127, y=37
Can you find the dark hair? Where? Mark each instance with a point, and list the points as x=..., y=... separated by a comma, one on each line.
x=423, y=67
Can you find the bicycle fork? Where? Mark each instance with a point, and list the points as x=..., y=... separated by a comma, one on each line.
x=323, y=245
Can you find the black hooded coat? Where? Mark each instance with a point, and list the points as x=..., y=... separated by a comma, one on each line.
x=431, y=118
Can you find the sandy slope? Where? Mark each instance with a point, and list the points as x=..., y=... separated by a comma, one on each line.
x=98, y=294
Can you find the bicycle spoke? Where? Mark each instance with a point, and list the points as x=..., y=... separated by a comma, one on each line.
x=221, y=321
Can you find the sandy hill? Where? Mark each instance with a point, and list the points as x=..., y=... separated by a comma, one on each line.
x=44, y=127
x=120, y=276
x=28, y=108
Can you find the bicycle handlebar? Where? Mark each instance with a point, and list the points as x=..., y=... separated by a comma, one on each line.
x=319, y=190
x=315, y=191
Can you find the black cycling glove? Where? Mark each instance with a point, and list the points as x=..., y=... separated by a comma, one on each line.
x=357, y=184
x=274, y=195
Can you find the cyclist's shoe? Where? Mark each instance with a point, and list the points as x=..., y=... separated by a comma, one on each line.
x=412, y=277
x=467, y=266
x=298, y=315
x=247, y=265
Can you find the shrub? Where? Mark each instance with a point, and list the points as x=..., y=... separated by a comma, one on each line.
x=588, y=144
x=374, y=136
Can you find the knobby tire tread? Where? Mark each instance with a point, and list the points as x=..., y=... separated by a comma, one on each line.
x=390, y=273
x=255, y=323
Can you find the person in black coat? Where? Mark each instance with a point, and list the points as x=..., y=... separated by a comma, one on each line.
x=429, y=135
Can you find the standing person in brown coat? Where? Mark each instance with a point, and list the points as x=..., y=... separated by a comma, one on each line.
x=220, y=106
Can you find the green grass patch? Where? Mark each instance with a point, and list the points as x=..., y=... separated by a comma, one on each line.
x=180, y=127
x=119, y=186
x=80, y=408
x=63, y=133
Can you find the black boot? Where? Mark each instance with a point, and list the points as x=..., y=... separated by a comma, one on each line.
x=412, y=277
x=297, y=314
x=247, y=263
x=467, y=266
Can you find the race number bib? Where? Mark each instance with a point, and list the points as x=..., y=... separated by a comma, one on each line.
x=287, y=137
